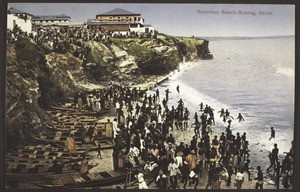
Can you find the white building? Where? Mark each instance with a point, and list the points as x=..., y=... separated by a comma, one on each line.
x=50, y=19
x=19, y=18
x=119, y=18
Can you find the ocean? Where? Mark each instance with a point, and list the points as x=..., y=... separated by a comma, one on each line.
x=252, y=77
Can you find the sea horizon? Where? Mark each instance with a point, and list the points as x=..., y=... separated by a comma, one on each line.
x=215, y=38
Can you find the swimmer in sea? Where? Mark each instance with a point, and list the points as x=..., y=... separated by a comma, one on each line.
x=227, y=116
x=240, y=117
x=272, y=133
x=177, y=88
x=201, y=106
x=221, y=112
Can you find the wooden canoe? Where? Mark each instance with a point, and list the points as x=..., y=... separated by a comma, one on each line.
x=86, y=180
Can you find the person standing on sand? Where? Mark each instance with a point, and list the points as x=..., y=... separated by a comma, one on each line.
x=99, y=149
x=84, y=166
x=167, y=94
x=82, y=134
x=273, y=157
x=259, y=178
x=186, y=118
x=174, y=171
x=272, y=133
x=134, y=153
x=109, y=129
x=184, y=174
x=191, y=160
x=196, y=128
x=239, y=178
x=246, y=168
x=141, y=181
x=157, y=93
x=161, y=180
x=70, y=144
x=115, y=128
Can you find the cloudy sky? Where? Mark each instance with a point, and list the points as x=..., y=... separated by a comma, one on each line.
x=186, y=19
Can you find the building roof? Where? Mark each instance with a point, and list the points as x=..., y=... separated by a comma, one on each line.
x=50, y=17
x=118, y=11
x=12, y=10
x=107, y=23
x=96, y=22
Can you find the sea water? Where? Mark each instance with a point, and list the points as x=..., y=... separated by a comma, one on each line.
x=252, y=77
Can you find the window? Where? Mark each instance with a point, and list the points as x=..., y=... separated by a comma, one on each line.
x=133, y=25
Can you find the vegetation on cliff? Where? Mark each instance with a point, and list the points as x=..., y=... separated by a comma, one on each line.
x=28, y=85
x=38, y=77
x=163, y=54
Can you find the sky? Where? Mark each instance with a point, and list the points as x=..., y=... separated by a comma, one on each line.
x=207, y=20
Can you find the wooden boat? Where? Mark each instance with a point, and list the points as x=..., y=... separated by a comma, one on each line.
x=35, y=157
x=33, y=163
x=60, y=142
x=32, y=168
x=85, y=180
x=75, y=126
x=36, y=177
x=43, y=151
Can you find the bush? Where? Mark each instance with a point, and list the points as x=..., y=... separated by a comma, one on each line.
x=26, y=51
x=44, y=86
x=101, y=68
x=62, y=47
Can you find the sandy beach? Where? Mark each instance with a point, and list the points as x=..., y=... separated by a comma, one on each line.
x=106, y=162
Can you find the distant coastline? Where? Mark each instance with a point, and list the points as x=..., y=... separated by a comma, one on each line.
x=246, y=38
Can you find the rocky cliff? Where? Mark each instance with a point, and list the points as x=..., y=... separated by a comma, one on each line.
x=38, y=77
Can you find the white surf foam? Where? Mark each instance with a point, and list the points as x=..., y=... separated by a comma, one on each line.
x=287, y=71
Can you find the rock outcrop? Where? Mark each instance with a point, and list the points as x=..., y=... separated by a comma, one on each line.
x=37, y=78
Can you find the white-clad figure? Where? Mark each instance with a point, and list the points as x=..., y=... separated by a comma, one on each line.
x=115, y=127
x=142, y=182
x=117, y=106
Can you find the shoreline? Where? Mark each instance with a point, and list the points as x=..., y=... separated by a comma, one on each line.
x=150, y=84
x=257, y=152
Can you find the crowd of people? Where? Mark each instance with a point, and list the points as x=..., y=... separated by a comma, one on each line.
x=59, y=39
x=49, y=36
x=142, y=130
x=143, y=133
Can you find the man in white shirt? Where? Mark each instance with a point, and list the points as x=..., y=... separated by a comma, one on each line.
x=134, y=152
x=117, y=106
x=239, y=178
x=142, y=183
x=115, y=128
x=174, y=170
x=179, y=159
